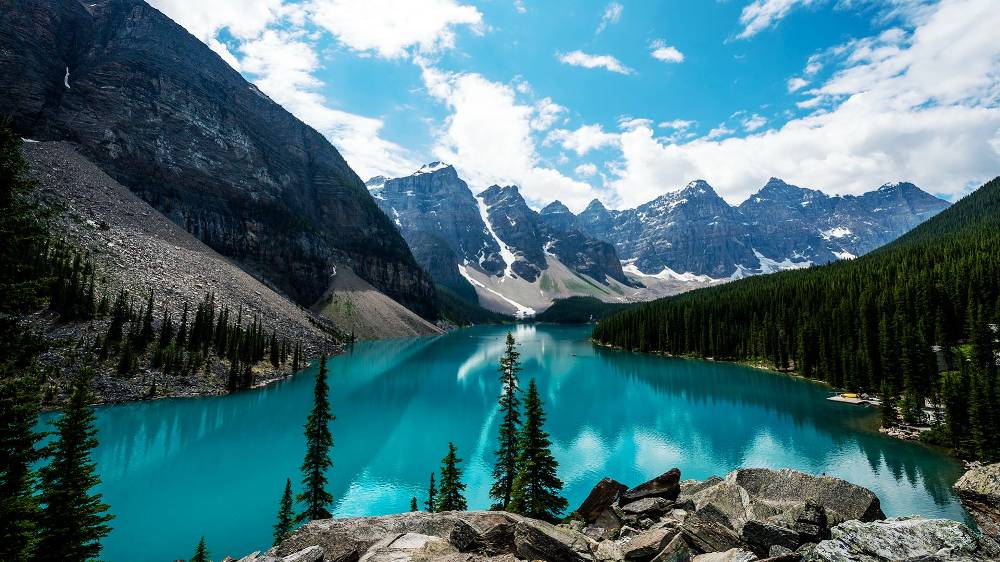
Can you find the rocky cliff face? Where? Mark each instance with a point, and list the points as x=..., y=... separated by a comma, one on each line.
x=165, y=116
x=751, y=514
x=452, y=231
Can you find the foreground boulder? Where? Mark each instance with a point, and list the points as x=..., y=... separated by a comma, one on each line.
x=903, y=538
x=750, y=515
x=979, y=491
x=666, y=486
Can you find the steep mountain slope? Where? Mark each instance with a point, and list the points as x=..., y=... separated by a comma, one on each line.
x=165, y=116
x=137, y=249
x=492, y=248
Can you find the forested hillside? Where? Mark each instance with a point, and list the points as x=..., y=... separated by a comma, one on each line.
x=871, y=324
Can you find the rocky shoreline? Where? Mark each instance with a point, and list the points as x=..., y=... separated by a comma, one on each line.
x=753, y=514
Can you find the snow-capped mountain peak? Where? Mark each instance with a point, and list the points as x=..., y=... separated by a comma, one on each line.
x=431, y=168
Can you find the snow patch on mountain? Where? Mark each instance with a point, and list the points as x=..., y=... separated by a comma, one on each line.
x=430, y=168
x=845, y=255
x=767, y=265
x=506, y=254
x=522, y=311
x=667, y=274
x=837, y=232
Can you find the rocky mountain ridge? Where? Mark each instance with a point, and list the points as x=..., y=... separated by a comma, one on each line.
x=491, y=246
x=165, y=116
x=753, y=514
x=782, y=226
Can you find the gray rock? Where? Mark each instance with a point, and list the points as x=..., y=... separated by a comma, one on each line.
x=666, y=486
x=763, y=536
x=979, y=491
x=311, y=554
x=778, y=550
x=709, y=536
x=677, y=550
x=601, y=497
x=808, y=520
x=785, y=488
x=648, y=544
x=902, y=538
x=648, y=507
x=689, y=487
x=408, y=547
x=731, y=555
x=535, y=540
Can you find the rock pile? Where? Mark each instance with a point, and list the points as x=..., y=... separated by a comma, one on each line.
x=979, y=491
x=750, y=515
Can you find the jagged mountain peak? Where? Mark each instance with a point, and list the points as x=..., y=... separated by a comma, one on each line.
x=376, y=182
x=435, y=167
x=555, y=207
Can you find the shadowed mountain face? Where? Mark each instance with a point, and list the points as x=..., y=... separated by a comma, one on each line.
x=165, y=116
x=446, y=227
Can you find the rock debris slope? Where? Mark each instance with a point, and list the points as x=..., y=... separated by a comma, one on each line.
x=166, y=117
x=138, y=249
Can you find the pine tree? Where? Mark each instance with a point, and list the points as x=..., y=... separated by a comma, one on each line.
x=146, y=332
x=450, y=497
x=200, y=552
x=319, y=441
x=19, y=408
x=505, y=469
x=413, y=504
x=431, y=502
x=274, y=350
x=286, y=518
x=536, y=488
x=73, y=519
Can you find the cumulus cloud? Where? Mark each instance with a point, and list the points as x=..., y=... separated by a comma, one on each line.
x=607, y=62
x=282, y=65
x=583, y=139
x=665, y=53
x=919, y=105
x=763, y=14
x=547, y=112
x=488, y=136
x=797, y=83
x=612, y=13
x=585, y=170
x=754, y=122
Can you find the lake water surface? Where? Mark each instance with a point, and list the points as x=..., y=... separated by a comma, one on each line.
x=174, y=470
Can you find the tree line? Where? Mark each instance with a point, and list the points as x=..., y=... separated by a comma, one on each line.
x=915, y=321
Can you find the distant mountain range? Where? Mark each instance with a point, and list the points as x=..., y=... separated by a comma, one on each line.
x=492, y=247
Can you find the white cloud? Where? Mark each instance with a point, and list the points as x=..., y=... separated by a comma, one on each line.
x=283, y=66
x=796, y=84
x=585, y=170
x=754, y=122
x=547, y=112
x=677, y=124
x=244, y=19
x=612, y=13
x=919, y=105
x=762, y=14
x=489, y=137
x=663, y=52
x=390, y=28
x=627, y=122
x=520, y=7
x=608, y=62
x=582, y=140
x=719, y=131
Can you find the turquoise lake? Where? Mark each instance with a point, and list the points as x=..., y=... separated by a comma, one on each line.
x=174, y=470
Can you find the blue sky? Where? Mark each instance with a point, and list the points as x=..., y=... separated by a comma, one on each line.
x=627, y=100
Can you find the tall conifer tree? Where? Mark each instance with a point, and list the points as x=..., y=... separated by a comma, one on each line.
x=319, y=441
x=505, y=469
x=536, y=488
x=286, y=518
x=200, y=552
x=450, y=496
x=19, y=408
x=73, y=519
x=431, y=502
